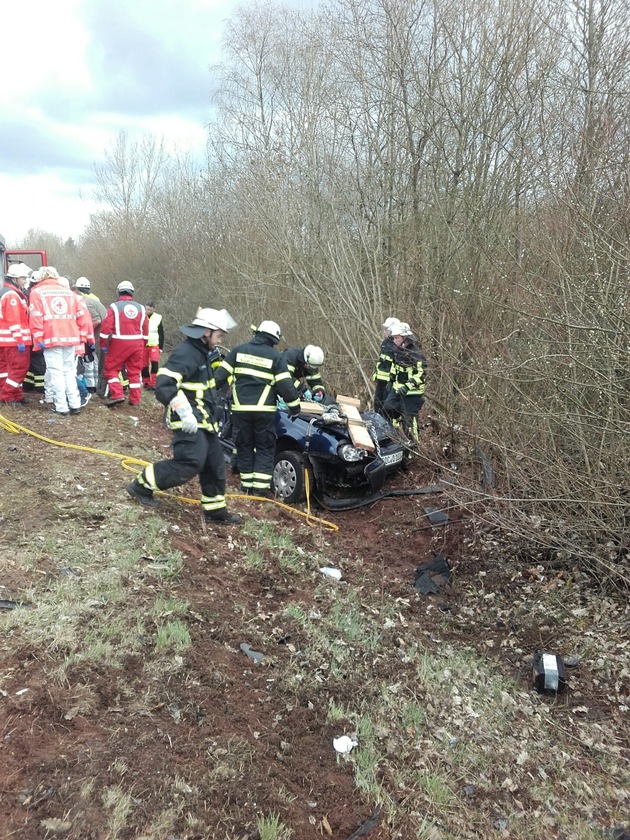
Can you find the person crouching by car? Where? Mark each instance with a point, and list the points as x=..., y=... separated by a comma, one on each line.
x=303, y=364
x=184, y=385
x=259, y=376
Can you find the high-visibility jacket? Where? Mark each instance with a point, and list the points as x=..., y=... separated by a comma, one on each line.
x=385, y=361
x=126, y=320
x=299, y=370
x=259, y=376
x=14, y=328
x=156, y=331
x=408, y=369
x=55, y=318
x=189, y=369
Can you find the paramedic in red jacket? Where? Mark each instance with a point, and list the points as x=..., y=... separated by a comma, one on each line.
x=124, y=334
x=58, y=325
x=15, y=335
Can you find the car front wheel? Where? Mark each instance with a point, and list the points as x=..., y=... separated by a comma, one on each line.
x=288, y=477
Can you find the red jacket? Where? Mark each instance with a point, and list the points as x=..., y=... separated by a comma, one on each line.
x=126, y=321
x=14, y=327
x=55, y=318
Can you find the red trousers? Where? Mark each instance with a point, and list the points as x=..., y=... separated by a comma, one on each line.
x=13, y=368
x=129, y=355
x=150, y=367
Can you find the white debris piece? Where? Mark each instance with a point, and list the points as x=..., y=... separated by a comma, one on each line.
x=344, y=744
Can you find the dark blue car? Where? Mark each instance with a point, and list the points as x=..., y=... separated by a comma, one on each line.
x=320, y=447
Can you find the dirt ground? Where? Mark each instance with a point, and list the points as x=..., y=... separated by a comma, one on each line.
x=65, y=742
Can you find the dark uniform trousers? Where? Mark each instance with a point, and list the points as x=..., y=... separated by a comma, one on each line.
x=404, y=408
x=199, y=454
x=255, y=441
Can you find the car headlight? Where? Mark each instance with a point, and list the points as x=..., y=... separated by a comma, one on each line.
x=347, y=452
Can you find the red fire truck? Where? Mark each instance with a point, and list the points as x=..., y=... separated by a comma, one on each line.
x=33, y=259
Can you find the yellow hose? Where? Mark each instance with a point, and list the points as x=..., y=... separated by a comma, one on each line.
x=127, y=462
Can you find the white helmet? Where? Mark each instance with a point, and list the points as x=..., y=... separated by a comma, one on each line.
x=209, y=319
x=82, y=283
x=313, y=356
x=16, y=270
x=64, y=282
x=388, y=323
x=271, y=329
x=401, y=328
x=125, y=286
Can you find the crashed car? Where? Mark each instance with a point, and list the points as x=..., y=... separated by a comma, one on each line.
x=319, y=449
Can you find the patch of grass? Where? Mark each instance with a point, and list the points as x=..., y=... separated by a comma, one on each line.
x=118, y=803
x=270, y=828
x=166, y=605
x=254, y=559
x=173, y=635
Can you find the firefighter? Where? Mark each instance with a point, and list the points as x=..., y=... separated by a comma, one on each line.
x=384, y=365
x=154, y=346
x=124, y=335
x=184, y=385
x=15, y=335
x=259, y=376
x=91, y=360
x=303, y=364
x=407, y=377
x=58, y=325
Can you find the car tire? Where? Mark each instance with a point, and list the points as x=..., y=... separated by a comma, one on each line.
x=288, y=477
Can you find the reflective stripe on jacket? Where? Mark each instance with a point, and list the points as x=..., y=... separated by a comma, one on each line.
x=409, y=369
x=297, y=367
x=126, y=320
x=55, y=317
x=14, y=328
x=385, y=361
x=189, y=369
x=156, y=334
x=259, y=376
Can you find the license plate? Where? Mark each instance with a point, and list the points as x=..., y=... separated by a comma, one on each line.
x=394, y=458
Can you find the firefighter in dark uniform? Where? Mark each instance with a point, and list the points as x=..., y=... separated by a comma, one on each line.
x=303, y=364
x=407, y=377
x=184, y=385
x=259, y=376
x=384, y=365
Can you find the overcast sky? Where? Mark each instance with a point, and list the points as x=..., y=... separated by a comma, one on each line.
x=77, y=72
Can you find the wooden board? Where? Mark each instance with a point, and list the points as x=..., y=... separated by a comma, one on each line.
x=307, y=407
x=356, y=425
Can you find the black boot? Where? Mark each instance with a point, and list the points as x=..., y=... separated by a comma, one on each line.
x=222, y=516
x=142, y=494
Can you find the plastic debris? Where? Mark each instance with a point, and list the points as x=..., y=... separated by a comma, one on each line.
x=369, y=825
x=253, y=654
x=335, y=574
x=548, y=673
x=432, y=576
x=436, y=517
x=13, y=605
x=344, y=744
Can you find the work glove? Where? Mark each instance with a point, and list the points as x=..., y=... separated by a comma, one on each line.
x=21, y=347
x=403, y=390
x=319, y=394
x=40, y=345
x=307, y=395
x=91, y=346
x=180, y=404
x=103, y=350
x=294, y=411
